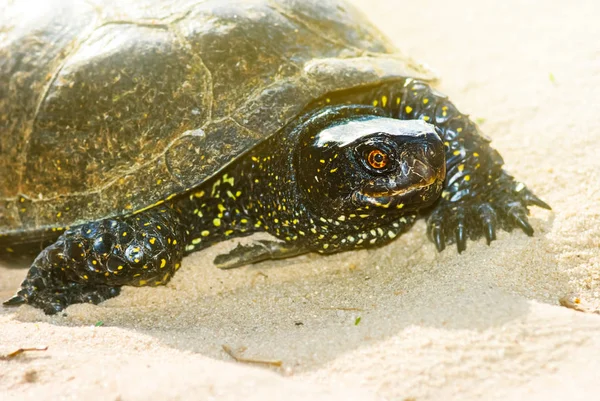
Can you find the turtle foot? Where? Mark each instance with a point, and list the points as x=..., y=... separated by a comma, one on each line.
x=505, y=207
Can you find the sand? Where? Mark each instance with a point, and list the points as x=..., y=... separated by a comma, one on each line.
x=486, y=324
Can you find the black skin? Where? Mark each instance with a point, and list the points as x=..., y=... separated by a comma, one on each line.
x=343, y=176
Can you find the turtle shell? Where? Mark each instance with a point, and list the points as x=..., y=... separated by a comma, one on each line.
x=108, y=107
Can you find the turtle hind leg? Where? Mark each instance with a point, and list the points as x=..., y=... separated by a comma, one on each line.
x=90, y=263
x=54, y=302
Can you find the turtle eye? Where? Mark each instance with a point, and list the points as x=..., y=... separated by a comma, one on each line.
x=376, y=155
x=377, y=159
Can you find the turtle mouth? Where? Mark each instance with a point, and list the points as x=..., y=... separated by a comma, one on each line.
x=422, y=194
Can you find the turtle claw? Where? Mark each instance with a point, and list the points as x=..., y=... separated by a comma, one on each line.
x=461, y=240
x=438, y=238
x=489, y=220
x=435, y=230
x=460, y=232
x=16, y=300
x=489, y=231
x=532, y=200
x=523, y=222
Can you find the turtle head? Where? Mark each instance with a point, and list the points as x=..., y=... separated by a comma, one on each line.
x=358, y=161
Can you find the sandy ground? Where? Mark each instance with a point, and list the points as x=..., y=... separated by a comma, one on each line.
x=483, y=325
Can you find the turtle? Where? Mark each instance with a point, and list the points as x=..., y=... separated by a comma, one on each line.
x=135, y=133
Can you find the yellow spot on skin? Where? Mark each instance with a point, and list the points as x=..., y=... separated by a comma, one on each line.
x=125, y=234
x=426, y=118
x=322, y=161
x=400, y=206
x=461, y=167
x=333, y=170
x=217, y=222
x=456, y=152
x=142, y=282
x=221, y=208
x=199, y=194
x=328, y=100
x=375, y=102
x=196, y=241
x=475, y=154
x=408, y=109
x=163, y=263
x=228, y=232
x=229, y=180
x=152, y=240
x=325, y=246
x=120, y=267
x=214, y=188
x=425, y=101
x=459, y=130
x=58, y=214
x=398, y=100
x=158, y=182
x=255, y=159
x=467, y=177
x=174, y=242
x=94, y=262
x=384, y=101
x=177, y=266
x=205, y=233
x=85, y=276
x=391, y=234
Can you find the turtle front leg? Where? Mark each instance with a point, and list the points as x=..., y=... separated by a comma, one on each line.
x=479, y=196
x=257, y=251
x=90, y=263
